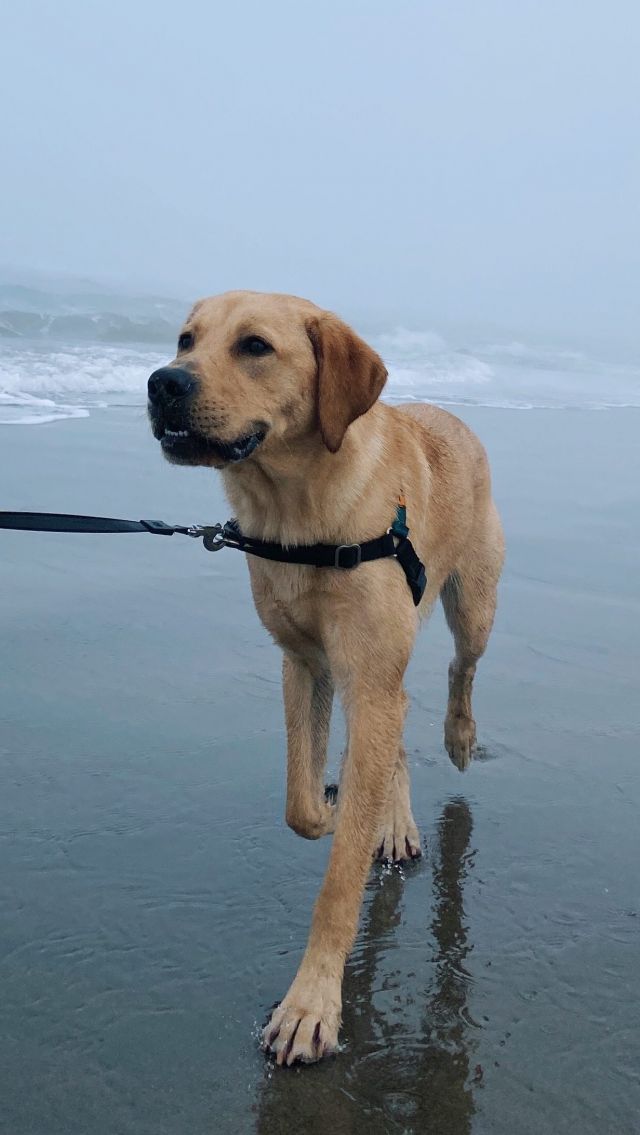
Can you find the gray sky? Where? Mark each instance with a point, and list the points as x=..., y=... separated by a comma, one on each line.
x=468, y=161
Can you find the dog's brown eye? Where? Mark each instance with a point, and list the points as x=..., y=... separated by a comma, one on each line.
x=254, y=345
x=185, y=342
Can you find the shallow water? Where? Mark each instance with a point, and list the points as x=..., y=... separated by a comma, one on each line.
x=153, y=905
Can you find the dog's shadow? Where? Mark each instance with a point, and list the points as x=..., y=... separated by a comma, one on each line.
x=406, y=1065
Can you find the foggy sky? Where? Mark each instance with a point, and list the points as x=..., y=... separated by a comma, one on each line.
x=456, y=160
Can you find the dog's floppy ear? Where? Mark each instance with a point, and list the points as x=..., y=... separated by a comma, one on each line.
x=350, y=377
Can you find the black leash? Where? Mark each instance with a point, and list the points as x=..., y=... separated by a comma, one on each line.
x=68, y=522
x=395, y=542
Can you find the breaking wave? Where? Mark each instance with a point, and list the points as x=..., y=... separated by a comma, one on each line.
x=62, y=356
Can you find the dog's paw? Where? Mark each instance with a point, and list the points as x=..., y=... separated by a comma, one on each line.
x=460, y=740
x=305, y=1027
x=399, y=844
x=312, y=822
x=399, y=838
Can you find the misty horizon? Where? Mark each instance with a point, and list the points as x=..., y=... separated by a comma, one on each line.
x=469, y=167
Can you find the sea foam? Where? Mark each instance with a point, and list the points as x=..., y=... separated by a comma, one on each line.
x=44, y=379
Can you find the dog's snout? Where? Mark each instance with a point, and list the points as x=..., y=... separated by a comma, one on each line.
x=169, y=384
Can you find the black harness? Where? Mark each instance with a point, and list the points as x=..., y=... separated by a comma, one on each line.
x=345, y=557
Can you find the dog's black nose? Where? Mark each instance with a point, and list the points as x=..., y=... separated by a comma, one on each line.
x=170, y=384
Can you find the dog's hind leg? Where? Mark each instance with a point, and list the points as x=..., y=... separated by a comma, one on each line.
x=308, y=699
x=469, y=601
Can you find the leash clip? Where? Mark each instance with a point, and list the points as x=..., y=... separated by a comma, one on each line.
x=212, y=535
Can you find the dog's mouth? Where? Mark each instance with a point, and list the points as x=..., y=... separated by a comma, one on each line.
x=187, y=447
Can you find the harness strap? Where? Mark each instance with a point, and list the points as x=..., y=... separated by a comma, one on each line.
x=395, y=542
x=345, y=557
x=413, y=568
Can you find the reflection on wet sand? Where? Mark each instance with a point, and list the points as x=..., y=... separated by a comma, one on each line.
x=406, y=1064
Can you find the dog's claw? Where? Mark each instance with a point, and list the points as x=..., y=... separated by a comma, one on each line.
x=392, y=854
x=285, y=1053
x=331, y=793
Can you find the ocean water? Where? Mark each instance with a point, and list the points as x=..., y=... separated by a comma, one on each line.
x=71, y=355
x=153, y=905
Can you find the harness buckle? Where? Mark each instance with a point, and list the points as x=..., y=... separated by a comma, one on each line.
x=355, y=562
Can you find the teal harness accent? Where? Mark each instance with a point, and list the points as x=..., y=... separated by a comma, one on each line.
x=405, y=552
x=399, y=526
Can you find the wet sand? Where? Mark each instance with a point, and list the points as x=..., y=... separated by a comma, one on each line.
x=153, y=905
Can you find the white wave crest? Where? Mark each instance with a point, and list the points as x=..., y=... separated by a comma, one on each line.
x=38, y=386
x=42, y=382
x=26, y=410
x=86, y=370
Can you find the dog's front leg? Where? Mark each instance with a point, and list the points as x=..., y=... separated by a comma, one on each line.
x=305, y=1026
x=308, y=698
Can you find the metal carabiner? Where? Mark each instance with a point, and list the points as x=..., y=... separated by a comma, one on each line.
x=213, y=537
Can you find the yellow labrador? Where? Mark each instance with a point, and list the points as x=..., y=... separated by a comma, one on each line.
x=282, y=397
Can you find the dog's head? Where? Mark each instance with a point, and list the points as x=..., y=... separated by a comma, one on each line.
x=258, y=371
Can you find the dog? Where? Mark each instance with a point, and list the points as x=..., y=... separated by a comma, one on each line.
x=283, y=398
